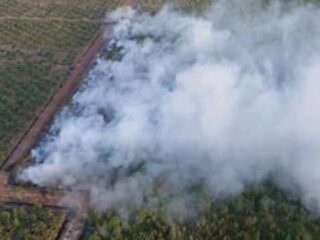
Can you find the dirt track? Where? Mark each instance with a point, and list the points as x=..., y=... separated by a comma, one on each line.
x=72, y=225
x=73, y=228
x=55, y=102
x=31, y=136
x=17, y=194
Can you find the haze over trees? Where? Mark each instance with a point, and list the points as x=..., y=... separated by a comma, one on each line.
x=29, y=222
x=259, y=213
x=38, y=45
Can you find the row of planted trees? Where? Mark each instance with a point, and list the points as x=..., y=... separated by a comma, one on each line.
x=29, y=222
x=260, y=213
x=37, y=56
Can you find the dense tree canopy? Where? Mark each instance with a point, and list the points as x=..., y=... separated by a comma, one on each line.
x=260, y=213
x=29, y=223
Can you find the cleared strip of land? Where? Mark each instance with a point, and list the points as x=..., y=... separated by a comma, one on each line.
x=73, y=225
x=79, y=203
x=30, y=137
x=39, y=42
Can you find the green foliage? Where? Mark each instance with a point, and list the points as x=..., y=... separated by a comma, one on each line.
x=260, y=213
x=39, y=41
x=29, y=223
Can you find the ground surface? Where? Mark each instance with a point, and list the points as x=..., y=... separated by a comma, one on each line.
x=39, y=41
x=45, y=47
x=42, y=43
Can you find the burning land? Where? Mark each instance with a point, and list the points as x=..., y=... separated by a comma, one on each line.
x=193, y=119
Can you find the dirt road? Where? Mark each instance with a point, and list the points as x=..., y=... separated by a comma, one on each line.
x=79, y=203
x=74, y=226
x=10, y=193
x=56, y=101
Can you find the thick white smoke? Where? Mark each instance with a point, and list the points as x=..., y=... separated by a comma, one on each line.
x=227, y=98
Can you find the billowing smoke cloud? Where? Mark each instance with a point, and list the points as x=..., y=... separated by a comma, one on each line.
x=228, y=98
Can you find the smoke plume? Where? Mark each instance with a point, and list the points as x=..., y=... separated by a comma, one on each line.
x=228, y=98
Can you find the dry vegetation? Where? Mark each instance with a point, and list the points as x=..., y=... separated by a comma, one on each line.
x=39, y=41
x=181, y=4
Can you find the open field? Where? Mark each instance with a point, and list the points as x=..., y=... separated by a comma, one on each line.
x=39, y=41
